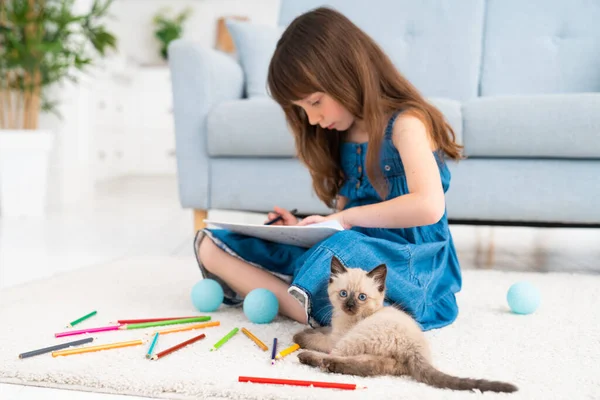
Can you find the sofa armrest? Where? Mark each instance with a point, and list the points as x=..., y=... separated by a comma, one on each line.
x=201, y=78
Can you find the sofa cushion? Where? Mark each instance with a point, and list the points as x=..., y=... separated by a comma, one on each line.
x=255, y=45
x=540, y=46
x=257, y=128
x=525, y=190
x=249, y=128
x=435, y=44
x=562, y=126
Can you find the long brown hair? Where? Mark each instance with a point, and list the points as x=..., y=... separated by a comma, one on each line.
x=323, y=51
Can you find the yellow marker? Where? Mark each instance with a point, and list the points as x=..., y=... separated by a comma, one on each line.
x=90, y=349
x=287, y=351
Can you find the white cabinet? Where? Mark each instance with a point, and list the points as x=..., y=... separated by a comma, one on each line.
x=133, y=126
x=155, y=128
x=111, y=106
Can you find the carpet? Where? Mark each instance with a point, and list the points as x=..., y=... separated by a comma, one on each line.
x=551, y=354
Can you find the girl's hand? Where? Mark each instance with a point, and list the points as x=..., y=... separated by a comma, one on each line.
x=339, y=217
x=287, y=217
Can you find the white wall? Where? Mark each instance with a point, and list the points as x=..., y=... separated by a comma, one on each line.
x=132, y=22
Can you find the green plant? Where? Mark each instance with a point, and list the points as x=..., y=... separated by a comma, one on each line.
x=169, y=29
x=43, y=42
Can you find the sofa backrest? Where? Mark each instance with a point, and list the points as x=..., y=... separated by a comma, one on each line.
x=435, y=44
x=541, y=46
x=469, y=48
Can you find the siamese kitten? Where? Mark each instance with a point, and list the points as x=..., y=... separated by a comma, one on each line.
x=368, y=339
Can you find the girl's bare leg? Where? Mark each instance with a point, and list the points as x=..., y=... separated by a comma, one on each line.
x=243, y=278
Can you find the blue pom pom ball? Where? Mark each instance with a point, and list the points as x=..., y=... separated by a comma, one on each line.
x=523, y=298
x=261, y=306
x=207, y=295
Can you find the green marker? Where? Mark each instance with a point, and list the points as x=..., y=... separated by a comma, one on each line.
x=161, y=323
x=72, y=324
x=225, y=339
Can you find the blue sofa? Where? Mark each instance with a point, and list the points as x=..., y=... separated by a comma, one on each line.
x=518, y=81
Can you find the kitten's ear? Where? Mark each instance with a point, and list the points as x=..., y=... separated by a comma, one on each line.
x=379, y=274
x=337, y=267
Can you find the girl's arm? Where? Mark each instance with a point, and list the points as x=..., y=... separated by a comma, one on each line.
x=425, y=202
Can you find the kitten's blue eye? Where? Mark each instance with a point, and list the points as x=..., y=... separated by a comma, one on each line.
x=362, y=297
x=343, y=293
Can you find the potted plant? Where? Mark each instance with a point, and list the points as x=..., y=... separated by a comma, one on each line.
x=168, y=28
x=42, y=44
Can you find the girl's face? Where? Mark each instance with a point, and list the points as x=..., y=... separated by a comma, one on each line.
x=322, y=109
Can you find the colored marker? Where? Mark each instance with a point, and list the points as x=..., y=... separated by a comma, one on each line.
x=274, y=351
x=254, y=339
x=151, y=348
x=287, y=351
x=72, y=324
x=225, y=339
x=57, y=347
x=177, y=347
x=273, y=381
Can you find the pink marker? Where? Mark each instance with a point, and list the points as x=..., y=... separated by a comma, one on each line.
x=89, y=330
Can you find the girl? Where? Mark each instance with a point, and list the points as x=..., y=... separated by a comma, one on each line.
x=376, y=152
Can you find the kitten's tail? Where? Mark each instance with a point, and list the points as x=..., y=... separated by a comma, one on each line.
x=422, y=371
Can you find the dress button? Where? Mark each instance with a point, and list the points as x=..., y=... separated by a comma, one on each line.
x=387, y=167
x=358, y=150
x=359, y=169
x=357, y=184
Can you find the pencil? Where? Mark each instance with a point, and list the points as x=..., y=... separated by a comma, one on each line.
x=255, y=339
x=57, y=347
x=97, y=348
x=276, y=219
x=72, y=324
x=274, y=351
x=287, y=351
x=88, y=330
x=162, y=323
x=225, y=339
x=177, y=347
x=141, y=321
x=190, y=327
x=330, y=385
x=149, y=354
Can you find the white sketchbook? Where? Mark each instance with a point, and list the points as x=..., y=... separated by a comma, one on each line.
x=303, y=236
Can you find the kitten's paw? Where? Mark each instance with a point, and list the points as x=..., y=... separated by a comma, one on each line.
x=310, y=358
x=303, y=338
x=332, y=365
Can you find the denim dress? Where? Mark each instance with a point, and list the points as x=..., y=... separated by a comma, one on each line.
x=423, y=270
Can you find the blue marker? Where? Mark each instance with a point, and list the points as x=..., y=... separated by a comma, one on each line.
x=151, y=348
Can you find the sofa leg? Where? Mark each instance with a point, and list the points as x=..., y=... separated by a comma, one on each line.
x=199, y=217
x=484, y=247
x=489, y=262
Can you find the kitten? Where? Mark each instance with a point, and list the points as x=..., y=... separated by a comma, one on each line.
x=368, y=339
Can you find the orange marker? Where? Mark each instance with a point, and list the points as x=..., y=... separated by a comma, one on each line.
x=190, y=327
x=97, y=348
x=255, y=339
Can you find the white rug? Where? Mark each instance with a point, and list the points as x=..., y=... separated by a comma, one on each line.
x=552, y=354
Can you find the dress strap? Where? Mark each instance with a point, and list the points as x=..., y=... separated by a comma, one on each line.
x=390, y=125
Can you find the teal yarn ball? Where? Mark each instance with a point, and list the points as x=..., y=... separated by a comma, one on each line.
x=207, y=295
x=523, y=298
x=261, y=306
